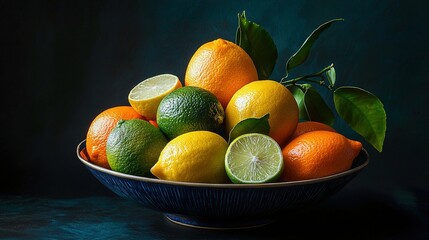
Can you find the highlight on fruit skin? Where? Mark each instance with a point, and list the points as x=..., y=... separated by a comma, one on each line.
x=318, y=154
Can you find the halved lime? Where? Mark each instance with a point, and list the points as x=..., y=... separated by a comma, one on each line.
x=254, y=158
x=146, y=96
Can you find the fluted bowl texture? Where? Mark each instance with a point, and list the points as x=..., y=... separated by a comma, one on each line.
x=222, y=205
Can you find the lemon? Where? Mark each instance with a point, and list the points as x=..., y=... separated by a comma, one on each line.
x=256, y=99
x=193, y=157
x=189, y=109
x=254, y=158
x=146, y=96
x=133, y=147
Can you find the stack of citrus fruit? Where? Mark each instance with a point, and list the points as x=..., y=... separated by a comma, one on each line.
x=100, y=129
x=180, y=132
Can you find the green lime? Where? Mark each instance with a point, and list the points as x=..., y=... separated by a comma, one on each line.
x=146, y=96
x=134, y=146
x=254, y=158
x=189, y=109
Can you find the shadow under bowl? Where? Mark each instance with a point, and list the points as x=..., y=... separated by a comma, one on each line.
x=222, y=206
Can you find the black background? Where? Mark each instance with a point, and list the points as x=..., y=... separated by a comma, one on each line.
x=63, y=62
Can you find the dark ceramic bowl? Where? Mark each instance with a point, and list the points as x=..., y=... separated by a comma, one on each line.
x=222, y=205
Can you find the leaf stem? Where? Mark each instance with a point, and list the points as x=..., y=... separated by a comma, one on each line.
x=309, y=78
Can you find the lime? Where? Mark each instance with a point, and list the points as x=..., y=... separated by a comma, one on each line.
x=196, y=156
x=189, y=109
x=133, y=147
x=254, y=158
x=146, y=96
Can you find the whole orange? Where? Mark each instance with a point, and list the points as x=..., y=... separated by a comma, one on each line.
x=221, y=67
x=100, y=128
x=308, y=126
x=318, y=154
x=258, y=98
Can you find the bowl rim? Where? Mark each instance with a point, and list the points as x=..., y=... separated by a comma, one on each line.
x=220, y=185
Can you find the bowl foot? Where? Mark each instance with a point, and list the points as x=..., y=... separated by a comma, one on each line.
x=218, y=223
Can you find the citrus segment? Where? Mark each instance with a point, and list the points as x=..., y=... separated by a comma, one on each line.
x=254, y=158
x=146, y=96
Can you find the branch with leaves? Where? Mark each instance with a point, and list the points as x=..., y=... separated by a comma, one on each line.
x=359, y=108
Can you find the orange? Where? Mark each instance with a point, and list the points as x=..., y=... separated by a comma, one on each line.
x=154, y=123
x=318, y=154
x=100, y=129
x=221, y=67
x=308, y=126
x=258, y=98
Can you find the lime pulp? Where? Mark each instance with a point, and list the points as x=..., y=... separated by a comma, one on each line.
x=254, y=158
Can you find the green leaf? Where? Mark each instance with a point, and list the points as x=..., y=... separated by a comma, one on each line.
x=331, y=75
x=304, y=51
x=298, y=92
x=316, y=108
x=363, y=112
x=250, y=125
x=258, y=43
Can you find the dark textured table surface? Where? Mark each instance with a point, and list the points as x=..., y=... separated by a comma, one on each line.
x=63, y=62
x=351, y=214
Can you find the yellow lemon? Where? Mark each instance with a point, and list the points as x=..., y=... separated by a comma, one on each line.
x=196, y=156
x=258, y=98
